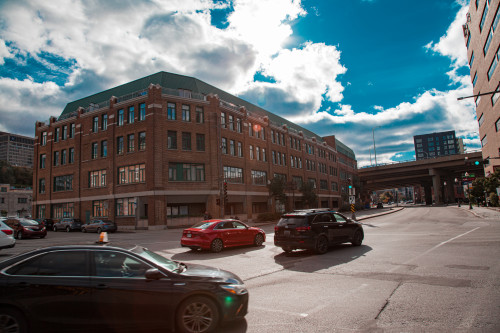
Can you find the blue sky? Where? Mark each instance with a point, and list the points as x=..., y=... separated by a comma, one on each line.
x=348, y=68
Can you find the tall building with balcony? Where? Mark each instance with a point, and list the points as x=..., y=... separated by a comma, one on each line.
x=436, y=144
x=160, y=151
x=17, y=150
x=482, y=39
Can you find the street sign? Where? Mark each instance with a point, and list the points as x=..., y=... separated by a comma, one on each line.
x=352, y=199
x=352, y=191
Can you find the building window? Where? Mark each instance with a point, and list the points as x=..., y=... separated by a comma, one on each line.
x=171, y=113
x=187, y=172
x=63, y=210
x=172, y=140
x=104, y=122
x=97, y=178
x=104, y=148
x=483, y=17
x=231, y=122
x=56, y=158
x=200, y=142
x=497, y=125
x=471, y=61
x=231, y=148
x=474, y=80
x=72, y=128
x=224, y=145
x=297, y=180
x=43, y=157
x=251, y=152
x=323, y=184
x=238, y=125
x=63, y=157
x=121, y=117
x=259, y=177
x=200, y=115
x=95, y=124
x=94, y=150
x=132, y=174
x=100, y=208
x=142, y=140
x=494, y=64
x=335, y=186
x=484, y=141
x=240, y=149
x=142, y=111
x=481, y=119
x=41, y=186
x=56, y=135
x=264, y=158
x=186, y=113
x=496, y=19
x=71, y=155
x=44, y=139
x=126, y=206
x=186, y=141
x=233, y=175
x=131, y=115
x=130, y=143
x=64, y=132
x=63, y=183
x=488, y=42
x=223, y=120
x=495, y=96
x=119, y=145
x=40, y=211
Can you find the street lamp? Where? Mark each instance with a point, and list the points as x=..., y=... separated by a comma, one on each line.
x=374, y=148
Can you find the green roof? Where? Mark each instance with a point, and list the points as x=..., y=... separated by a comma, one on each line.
x=176, y=81
x=343, y=149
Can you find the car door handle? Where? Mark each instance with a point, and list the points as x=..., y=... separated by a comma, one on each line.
x=101, y=286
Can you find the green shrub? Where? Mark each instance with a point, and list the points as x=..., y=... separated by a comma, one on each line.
x=268, y=217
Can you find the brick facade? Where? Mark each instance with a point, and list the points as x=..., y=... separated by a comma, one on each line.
x=163, y=184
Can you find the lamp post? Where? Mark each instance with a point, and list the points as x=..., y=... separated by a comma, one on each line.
x=374, y=148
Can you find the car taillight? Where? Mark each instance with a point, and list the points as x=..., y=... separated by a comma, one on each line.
x=7, y=231
x=276, y=228
x=303, y=229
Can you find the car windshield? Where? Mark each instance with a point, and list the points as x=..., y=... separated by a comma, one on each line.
x=297, y=221
x=156, y=258
x=28, y=223
x=203, y=225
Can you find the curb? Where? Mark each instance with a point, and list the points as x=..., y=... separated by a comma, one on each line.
x=361, y=218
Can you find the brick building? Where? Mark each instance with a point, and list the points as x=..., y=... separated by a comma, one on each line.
x=482, y=39
x=158, y=155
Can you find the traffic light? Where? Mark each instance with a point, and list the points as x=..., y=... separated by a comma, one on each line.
x=225, y=191
x=350, y=183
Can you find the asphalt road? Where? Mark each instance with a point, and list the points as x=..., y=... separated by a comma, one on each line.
x=421, y=269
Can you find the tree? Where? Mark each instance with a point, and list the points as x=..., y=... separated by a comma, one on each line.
x=17, y=176
x=309, y=197
x=276, y=189
x=485, y=188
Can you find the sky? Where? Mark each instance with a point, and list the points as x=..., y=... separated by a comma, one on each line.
x=362, y=70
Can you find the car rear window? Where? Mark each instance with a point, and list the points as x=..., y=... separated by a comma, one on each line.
x=203, y=225
x=297, y=221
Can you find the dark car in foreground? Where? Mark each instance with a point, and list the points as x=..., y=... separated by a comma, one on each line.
x=317, y=230
x=68, y=224
x=98, y=225
x=26, y=228
x=92, y=287
x=215, y=235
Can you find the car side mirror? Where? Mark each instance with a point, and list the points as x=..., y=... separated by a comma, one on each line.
x=154, y=274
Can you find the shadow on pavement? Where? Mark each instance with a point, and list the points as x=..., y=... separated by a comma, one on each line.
x=204, y=254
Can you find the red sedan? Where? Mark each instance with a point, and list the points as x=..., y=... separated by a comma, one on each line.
x=215, y=235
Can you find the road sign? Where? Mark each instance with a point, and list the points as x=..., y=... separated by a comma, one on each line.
x=352, y=191
x=352, y=199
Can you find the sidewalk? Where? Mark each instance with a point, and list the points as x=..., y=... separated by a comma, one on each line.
x=492, y=213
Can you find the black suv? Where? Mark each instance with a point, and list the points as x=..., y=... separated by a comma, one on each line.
x=316, y=229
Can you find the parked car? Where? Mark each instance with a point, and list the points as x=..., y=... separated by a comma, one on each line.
x=98, y=225
x=92, y=287
x=7, y=239
x=26, y=228
x=68, y=224
x=47, y=223
x=316, y=230
x=215, y=235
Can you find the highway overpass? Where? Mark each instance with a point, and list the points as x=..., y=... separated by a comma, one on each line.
x=431, y=174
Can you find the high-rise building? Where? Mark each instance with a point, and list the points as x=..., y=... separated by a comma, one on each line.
x=435, y=145
x=17, y=150
x=160, y=151
x=482, y=40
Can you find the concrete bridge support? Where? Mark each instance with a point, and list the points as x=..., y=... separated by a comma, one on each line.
x=436, y=186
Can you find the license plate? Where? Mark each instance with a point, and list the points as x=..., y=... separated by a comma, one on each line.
x=188, y=235
x=286, y=233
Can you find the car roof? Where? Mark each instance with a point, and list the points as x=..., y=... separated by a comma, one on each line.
x=310, y=211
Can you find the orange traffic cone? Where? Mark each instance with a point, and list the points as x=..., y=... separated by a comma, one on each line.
x=103, y=238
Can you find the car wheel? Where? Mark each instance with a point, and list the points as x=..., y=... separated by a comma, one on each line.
x=357, y=239
x=216, y=245
x=12, y=320
x=258, y=240
x=197, y=314
x=98, y=230
x=287, y=249
x=321, y=245
x=68, y=229
x=193, y=248
x=43, y=236
x=54, y=228
x=84, y=230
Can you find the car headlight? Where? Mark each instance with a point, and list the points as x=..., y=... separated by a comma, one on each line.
x=235, y=289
